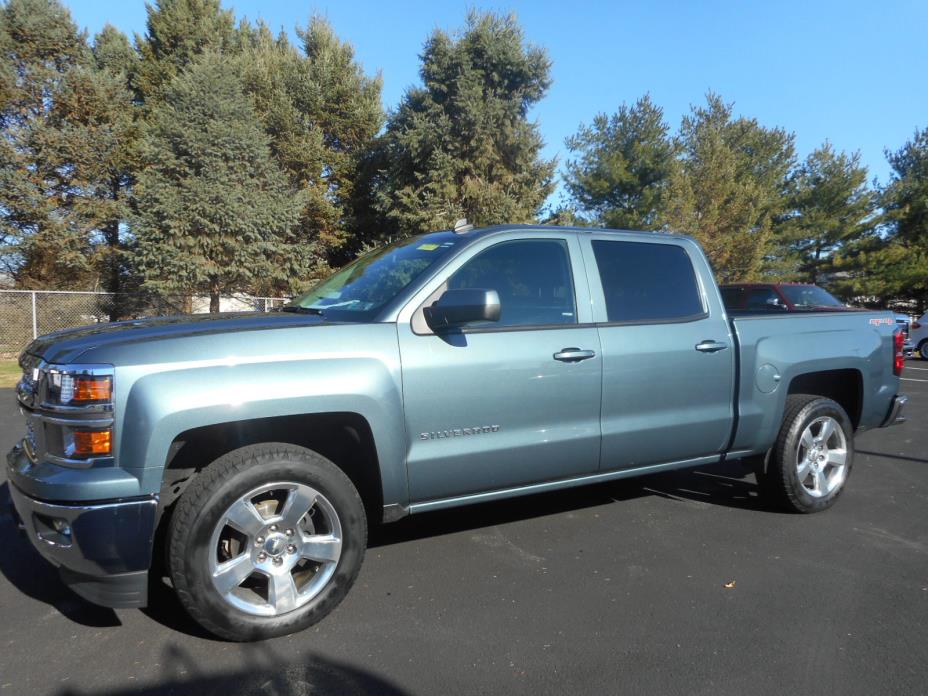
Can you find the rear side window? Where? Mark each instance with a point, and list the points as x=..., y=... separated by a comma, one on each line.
x=647, y=282
x=764, y=299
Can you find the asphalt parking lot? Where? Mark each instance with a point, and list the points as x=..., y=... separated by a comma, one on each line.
x=616, y=588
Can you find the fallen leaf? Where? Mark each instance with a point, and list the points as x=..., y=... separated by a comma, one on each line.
x=730, y=585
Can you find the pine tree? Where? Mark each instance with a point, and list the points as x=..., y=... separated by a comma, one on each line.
x=45, y=241
x=94, y=136
x=729, y=186
x=461, y=145
x=829, y=206
x=893, y=265
x=215, y=212
x=321, y=113
x=177, y=32
x=905, y=202
x=622, y=167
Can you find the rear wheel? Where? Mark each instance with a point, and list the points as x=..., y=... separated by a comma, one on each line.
x=810, y=463
x=266, y=541
x=923, y=350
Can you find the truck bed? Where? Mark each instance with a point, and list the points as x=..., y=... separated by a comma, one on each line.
x=774, y=348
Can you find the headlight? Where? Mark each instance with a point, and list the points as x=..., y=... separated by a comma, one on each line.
x=69, y=414
x=77, y=387
x=82, y=389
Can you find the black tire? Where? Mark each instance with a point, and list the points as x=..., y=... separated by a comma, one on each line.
x=205, y=501
x=923, y=350
x=780, y=480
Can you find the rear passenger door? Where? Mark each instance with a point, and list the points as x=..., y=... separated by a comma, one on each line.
x=668, y=357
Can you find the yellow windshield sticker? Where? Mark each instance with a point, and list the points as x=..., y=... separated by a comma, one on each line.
x=427, y=247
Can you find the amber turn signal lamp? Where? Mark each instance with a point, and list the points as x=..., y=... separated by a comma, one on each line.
x=92, y=388
x=89, y=443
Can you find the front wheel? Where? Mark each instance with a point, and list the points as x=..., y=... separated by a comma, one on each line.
x=923, y=350
x=810, y=463
x=266, y=541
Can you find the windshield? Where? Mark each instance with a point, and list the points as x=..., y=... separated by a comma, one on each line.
x=807, y=296
x=360, y=289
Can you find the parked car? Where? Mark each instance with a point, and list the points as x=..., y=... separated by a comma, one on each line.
x=918, y=336
x=251, y=451
x=903, y=322
x=780, y=297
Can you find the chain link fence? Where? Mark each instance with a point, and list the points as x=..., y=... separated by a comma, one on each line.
x=26, y=314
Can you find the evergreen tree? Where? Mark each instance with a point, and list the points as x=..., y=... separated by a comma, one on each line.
x=177, y=31
x=894, y=264
x=44, y=240
x=905, y=202
x=729, y=186
x=215, y=212
x=829, y=205
x=564, y=215
x=461, y=145
x=94, y=136
x=321, y=113
x=114, y=54
x=623, y=166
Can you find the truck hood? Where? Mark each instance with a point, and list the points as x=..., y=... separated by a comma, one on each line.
x=69, y=344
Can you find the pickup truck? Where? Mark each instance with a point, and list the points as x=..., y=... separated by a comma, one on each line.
x=242, y=456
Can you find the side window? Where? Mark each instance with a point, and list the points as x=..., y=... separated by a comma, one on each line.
x=532, y=278
x=732, y=297
x=647, y=281
x=764, y=299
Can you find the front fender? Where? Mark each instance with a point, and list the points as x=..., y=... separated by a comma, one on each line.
x=162, y=405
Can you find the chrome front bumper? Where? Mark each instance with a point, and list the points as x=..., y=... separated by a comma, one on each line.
x=895, y=417
x=102, y=549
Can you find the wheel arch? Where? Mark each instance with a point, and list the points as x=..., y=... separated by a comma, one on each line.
x=345, y=438
x=843, y=386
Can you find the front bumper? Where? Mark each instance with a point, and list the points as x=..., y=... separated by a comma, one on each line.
x=896, y=407
x=102, y=549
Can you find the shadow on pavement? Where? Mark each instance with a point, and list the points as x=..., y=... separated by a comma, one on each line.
x=893, y=456
x=729, y=485
x=29, y=573
x=262, y=673
x=165, y=608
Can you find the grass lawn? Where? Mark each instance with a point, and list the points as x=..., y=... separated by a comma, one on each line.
x=9, y=373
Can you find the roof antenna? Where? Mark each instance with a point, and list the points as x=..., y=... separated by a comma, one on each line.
x=461, y=226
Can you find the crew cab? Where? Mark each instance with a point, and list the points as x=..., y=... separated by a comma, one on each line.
x=251, y=451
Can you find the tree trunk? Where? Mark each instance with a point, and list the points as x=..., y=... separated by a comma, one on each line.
x=112, y=280
x=111, y=274
x=214, y=300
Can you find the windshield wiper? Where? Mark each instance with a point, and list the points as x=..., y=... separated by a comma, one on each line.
x=296, y=309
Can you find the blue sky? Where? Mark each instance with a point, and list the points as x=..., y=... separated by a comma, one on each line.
x=855, y=73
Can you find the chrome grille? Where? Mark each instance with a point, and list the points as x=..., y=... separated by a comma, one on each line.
x=27, y=389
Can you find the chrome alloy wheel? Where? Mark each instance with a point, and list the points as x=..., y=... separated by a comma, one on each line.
x=821, y=458
x=275, y=548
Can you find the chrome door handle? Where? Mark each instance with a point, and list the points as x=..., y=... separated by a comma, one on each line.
x=574, y=355
x=711, y=346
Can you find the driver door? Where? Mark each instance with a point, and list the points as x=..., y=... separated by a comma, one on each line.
x=501, y=404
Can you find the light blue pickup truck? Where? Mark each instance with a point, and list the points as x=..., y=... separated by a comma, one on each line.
x=250, y=451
